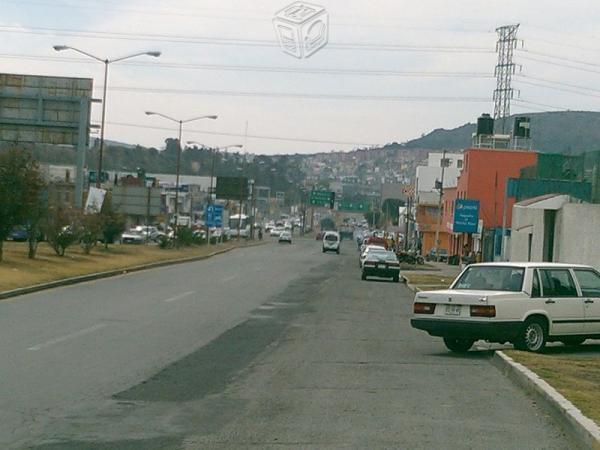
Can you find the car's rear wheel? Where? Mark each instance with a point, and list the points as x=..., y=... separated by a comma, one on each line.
x=572, y=341
x=458, y=345
x=396, y=279
x=363, y=276
x=533, y=336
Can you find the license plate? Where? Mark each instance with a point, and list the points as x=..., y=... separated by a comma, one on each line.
x=453, y=310
x=378, y=266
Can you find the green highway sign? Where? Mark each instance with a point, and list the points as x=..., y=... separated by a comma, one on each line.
x=353, y=206
x=93, y=176
x=321, y=198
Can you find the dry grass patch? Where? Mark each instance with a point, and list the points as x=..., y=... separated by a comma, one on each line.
x=574, y=374
x=429, y=279
x=16, y=270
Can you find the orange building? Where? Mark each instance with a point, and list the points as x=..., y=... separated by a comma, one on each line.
x=484, y=177
x=427, y=222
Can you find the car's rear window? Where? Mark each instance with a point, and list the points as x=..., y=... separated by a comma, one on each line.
x=331, y=237
x=491, y=278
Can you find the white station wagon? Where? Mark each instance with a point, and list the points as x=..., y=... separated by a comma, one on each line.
x=526, y=304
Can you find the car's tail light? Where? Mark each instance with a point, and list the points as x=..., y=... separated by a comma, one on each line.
x=394, y=264
x=369, y=263
x=424, y=308
x=483, y=311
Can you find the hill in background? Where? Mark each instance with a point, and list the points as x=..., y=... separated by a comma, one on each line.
x=568, y=132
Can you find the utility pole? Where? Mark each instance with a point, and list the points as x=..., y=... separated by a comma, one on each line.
x=505, y=69
x=439, y=224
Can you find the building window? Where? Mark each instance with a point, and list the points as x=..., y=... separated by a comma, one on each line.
x=459, y=163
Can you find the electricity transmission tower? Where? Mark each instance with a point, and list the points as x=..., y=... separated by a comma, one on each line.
x=507, y=42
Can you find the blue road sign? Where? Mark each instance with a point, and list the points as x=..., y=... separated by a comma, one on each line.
x=466, y=216
x=213, y=215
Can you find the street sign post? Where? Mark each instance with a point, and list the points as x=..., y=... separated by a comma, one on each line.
x=213, y=216
x=466, y=216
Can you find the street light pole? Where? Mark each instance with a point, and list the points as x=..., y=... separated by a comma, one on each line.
x=106, y=63
x=439, y=221
x=179, y=150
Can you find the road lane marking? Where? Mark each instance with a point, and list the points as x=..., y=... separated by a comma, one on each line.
x=231, y=278
x=66, y=337
x=180, y=296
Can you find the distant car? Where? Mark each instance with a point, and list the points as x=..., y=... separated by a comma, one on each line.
x=331, y=242
x=369, y=249
x=431, y=255
x=285, y=236
x=133, y=237
x=527, y=304
x=150, y=231
x=381, y=264
x=18, y=234
x=276, y=232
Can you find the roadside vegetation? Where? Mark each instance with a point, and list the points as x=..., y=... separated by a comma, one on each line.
x=18, y=270
x=59, y=241
x=572, y=371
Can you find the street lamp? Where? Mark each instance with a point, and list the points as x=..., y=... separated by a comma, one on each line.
x=212, y=174
x=106, y=62
x=179, y=149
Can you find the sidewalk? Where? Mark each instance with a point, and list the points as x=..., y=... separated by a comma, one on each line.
x=440, y=277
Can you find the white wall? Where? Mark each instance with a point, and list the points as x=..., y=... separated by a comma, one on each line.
x=577, y=234
x=435, y=159
x=426, y=177
x=526, y=221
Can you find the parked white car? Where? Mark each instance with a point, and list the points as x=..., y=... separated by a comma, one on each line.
x=526, y=304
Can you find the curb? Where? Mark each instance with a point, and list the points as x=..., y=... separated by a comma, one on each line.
x=112, y=273
x=585, y=431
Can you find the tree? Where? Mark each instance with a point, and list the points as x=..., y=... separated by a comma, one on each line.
x=59, y=228
x=369, y=218
x=89, y=229
x=390, y=208
x=21, y=185
x=112, y=223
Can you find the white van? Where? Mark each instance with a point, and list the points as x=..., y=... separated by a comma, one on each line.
x=331, y=242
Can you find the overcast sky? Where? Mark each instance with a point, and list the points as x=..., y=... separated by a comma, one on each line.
x=221, y=40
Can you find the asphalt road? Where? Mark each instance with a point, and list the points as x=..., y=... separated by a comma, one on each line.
x=266, y=347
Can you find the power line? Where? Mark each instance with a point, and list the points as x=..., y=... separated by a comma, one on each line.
x=209, y=40
x=560, y=83
x=587, y=94
x=545, y=105
x=389, y=98
x=241, y=68
x=562, y=58
x=552, y=63
x=253, y=136
x=562, y=44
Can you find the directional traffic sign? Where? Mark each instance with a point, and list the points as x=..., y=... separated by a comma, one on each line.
x=213, y=215
x=322, y=198
x=353, y=206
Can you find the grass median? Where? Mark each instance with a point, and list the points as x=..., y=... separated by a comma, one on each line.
x=16, y=270
x=574, y=372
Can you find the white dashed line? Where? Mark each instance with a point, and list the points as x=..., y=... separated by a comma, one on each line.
x=179, y=297
x=66, y=337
